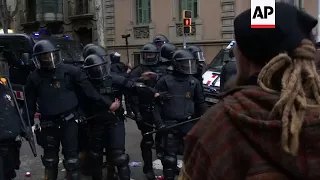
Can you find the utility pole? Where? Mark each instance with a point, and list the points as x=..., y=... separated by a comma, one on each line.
x=100, y=22
x=187, y=16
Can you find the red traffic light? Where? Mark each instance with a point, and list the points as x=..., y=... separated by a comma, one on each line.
x=187, y=22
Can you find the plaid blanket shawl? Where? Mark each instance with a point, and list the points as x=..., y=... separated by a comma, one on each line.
x=220, y=146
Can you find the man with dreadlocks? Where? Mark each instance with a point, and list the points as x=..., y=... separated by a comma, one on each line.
x=268, y=127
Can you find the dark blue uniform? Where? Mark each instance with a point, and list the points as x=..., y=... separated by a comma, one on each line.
x=142, y=108
x=107, y=129
x=55, y=92
x=186, y=96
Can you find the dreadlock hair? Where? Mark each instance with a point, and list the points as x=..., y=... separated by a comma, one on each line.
x=299, y=90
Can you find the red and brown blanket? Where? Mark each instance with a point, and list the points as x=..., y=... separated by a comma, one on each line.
x=236, y=140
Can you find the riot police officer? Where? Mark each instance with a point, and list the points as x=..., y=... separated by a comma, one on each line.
x=166, y=53
x=120, y=68
x=53, y=87
x=117, y=66
x=108, y=128
x=185, y=95
x=228, y=72
x=159, y=40
x=165, y=63
x=10, y=124
x=142, y=106
x=198, y=55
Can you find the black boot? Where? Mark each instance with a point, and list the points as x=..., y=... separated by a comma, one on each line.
x=147, y=167
x=50, y=174
x=169, y=174
x=111, y=172
x=124, y=172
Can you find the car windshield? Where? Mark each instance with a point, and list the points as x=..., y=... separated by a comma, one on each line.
x=70, y=50
x=219, y=60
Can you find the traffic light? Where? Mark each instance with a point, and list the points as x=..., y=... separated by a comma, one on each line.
x=186, y=21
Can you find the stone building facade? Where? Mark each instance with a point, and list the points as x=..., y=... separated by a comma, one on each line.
x=143, y=19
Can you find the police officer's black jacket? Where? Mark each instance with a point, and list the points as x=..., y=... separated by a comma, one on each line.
x=119, y=68
x=10, y=123
x=55, y=92
x=108, y=88
x=144, y=101
x=186, y=97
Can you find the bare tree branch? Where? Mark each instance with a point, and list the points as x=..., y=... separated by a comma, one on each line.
x=16, y=9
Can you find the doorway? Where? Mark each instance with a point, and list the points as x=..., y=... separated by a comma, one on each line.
x=84, y=35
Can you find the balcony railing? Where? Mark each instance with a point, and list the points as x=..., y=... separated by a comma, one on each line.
x=80, y=9
x=27, y=17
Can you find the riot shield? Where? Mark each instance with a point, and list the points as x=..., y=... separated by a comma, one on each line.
x=26, y=129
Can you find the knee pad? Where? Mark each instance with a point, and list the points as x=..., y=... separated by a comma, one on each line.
x=119, y=158
x=51, y=142
x=169, y=161
x=147, y=142
x=50, y=162
x=71, y=164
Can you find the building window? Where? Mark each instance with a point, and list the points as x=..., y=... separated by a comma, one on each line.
x=143, y=11
x=188, y=5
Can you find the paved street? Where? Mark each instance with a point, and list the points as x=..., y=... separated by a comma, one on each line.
x=34, y=165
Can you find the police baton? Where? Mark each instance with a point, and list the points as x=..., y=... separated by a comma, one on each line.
x=172, y=126
x=132, y=118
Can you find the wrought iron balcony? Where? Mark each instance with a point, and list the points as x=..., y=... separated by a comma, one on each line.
x=79, y=9
x=27, y=17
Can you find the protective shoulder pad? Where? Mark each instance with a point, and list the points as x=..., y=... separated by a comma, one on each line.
x=169, y=79
x=36, y=78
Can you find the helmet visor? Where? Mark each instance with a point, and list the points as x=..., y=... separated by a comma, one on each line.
x=98, y=71
x=200, y=57
x=49, y=60
x=159, y=44
x=187, y=66
x=4, y=69
x=149, y=58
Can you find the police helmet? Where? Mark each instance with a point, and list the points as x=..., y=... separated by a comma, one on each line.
x=115, y=57
x=96, y=67
x=85, y=48
x=159, y=40
x=95, y=49
x=167, y=51
x=149, y=55
x=46, y=55
x=184, y=62
x=197, y=53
